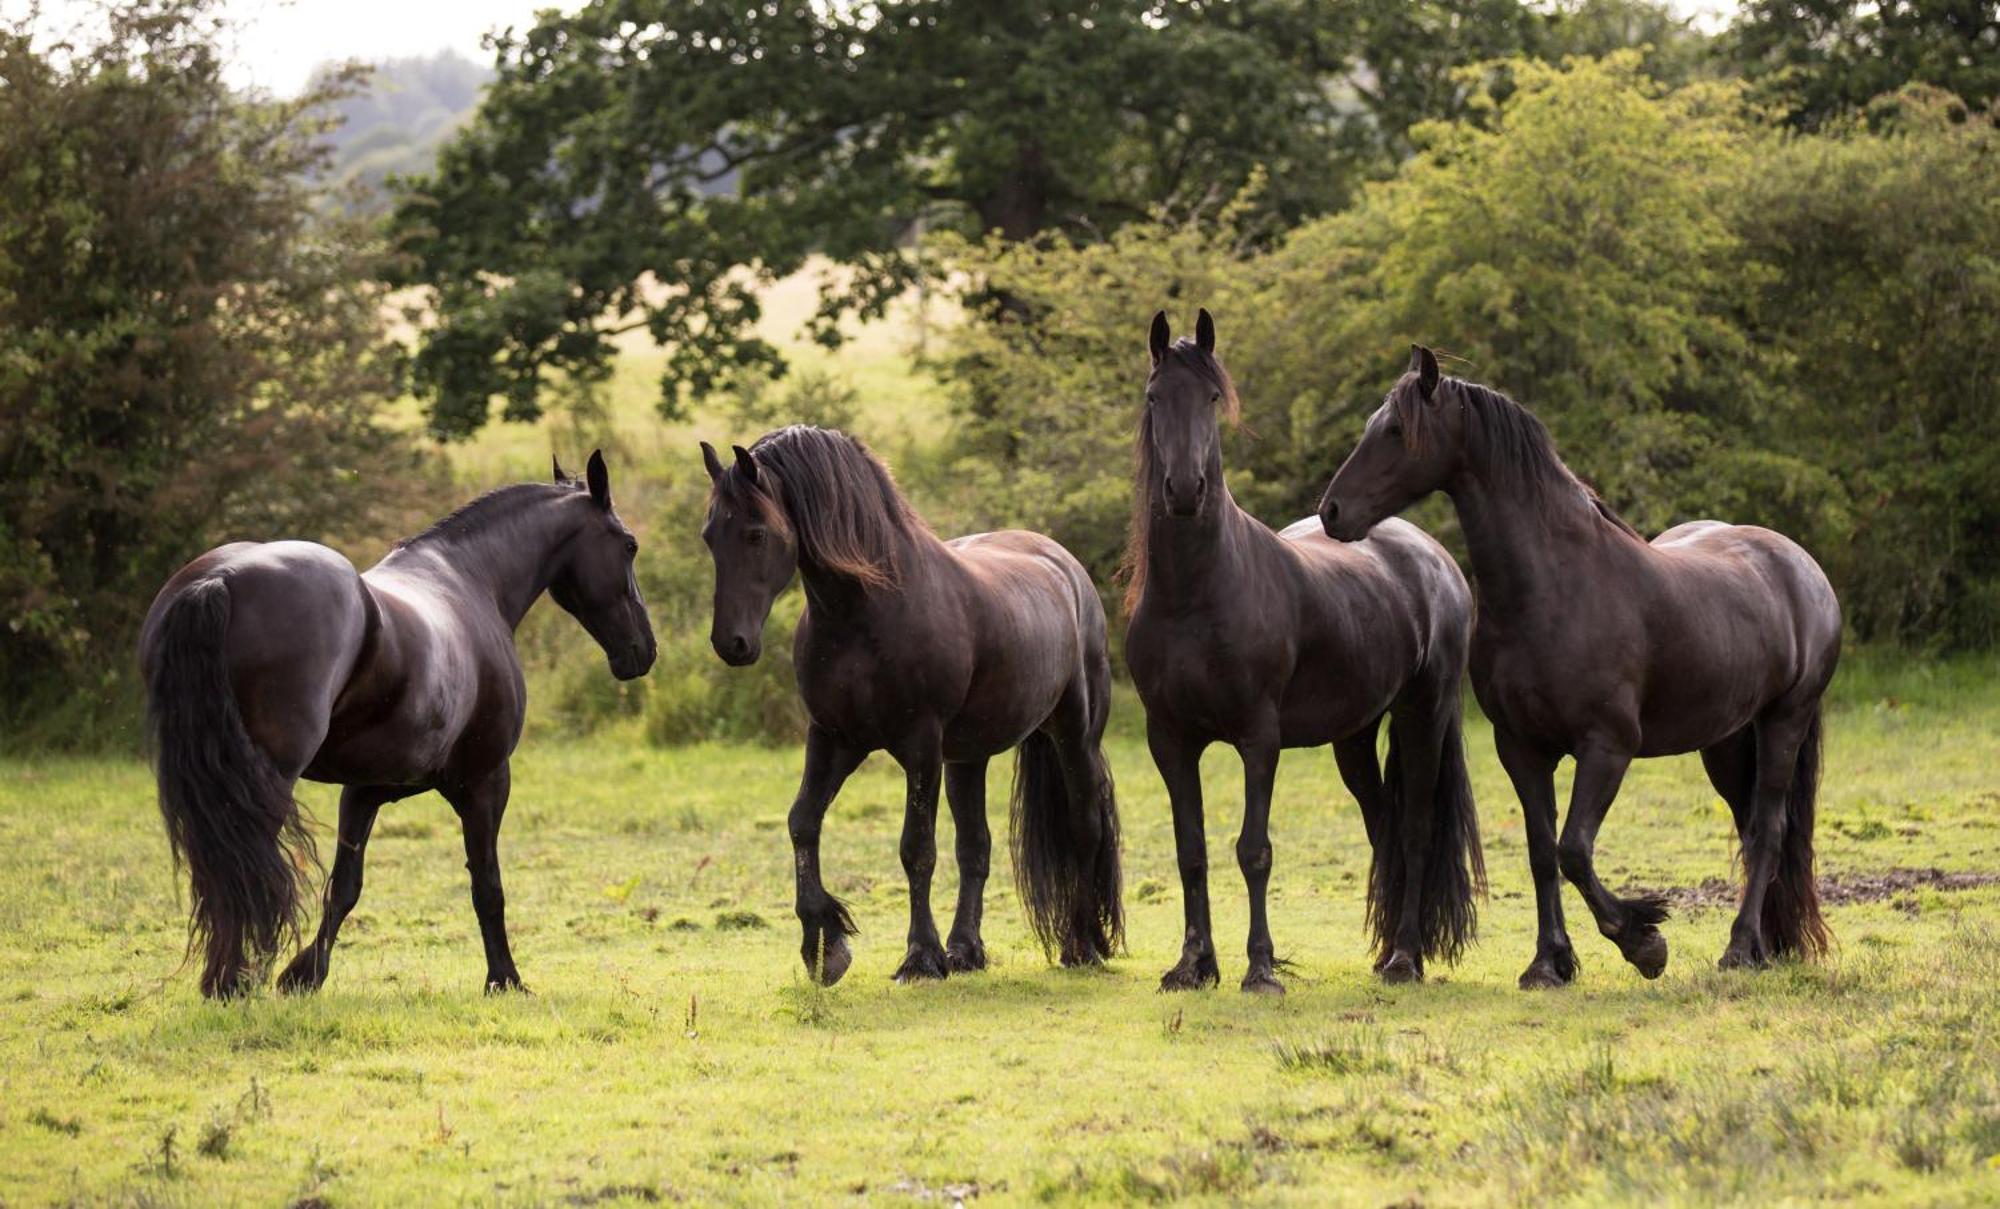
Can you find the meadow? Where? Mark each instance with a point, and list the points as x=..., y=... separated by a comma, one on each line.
x=672, y=1049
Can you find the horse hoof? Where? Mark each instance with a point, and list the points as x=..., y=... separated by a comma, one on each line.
x=1734, y=958
x=505, y=984
x=965, y=957
x=833, y=961
x=922, y=965
x=1648, y=954
x=1400, y=969
x=1191, y=975
x=1543, y=976
x=1262, y=982
x=300, y=978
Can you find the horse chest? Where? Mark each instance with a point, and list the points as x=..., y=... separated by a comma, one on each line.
x=1200, y=676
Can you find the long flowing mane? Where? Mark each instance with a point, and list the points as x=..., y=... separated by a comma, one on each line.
x=837, y=500
x=1505, y=437
x=482, y=514
x=1188, y=355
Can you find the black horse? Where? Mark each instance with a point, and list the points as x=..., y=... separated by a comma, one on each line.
x=266, y=662
x=943, y=654
x=1267, y=640
x=1595, y=644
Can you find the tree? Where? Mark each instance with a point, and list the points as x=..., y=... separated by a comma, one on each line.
x=187, y=352
x=1884, y=231
x=644, y=163
x=1819, y=60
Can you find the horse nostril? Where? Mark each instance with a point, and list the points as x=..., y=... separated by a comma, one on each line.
x=739, y=645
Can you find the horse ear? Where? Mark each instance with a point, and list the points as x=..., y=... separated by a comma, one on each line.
x=1204, y=332
x=560, y=476
x=745, y=463
x=599, y=479
x=709, y=460
x=1161, y=335
x=1425, y=366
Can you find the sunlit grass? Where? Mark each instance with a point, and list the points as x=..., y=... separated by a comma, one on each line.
x=673, y=1050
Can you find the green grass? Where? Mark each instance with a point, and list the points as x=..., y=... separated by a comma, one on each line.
x=673, y=1051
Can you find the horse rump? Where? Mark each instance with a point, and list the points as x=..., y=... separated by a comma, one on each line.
x=1066, y=854
x=230, y=815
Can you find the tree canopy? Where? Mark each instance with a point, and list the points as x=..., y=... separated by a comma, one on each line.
x=188, y=351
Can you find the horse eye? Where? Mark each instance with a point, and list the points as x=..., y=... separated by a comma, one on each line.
x=1215, y=397
x=754, y=536
x=631, y=545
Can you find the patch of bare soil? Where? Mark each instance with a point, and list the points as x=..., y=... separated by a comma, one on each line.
x=1835, y=890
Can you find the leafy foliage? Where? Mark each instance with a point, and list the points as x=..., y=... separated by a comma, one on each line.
x=186, y=352
x=1821, y=60
x=1715, y=319
x=644, y=163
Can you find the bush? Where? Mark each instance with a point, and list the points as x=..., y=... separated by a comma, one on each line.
x=1714, y=318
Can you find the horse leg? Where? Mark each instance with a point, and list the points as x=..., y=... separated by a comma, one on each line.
x=358, y=807
x=1778, y=736
x=1253, y=857
x=1415, y=743
x=1732, y=768
x=1630, y=923
x=1355, y=757
x=824, y=922
x=1533, y=775
x=1179, y=762
x=923, y=766
x=481, y=804
x=965, y=789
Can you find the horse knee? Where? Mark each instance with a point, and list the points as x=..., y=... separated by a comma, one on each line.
x=803, y=824
x=919, y=857
x=1253, y=857
x=1573, y=858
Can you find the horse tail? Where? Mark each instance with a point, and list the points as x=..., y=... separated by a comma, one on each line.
x=1454, y=867
x=230, y=815
x=1066, y=854
x=1792, y=921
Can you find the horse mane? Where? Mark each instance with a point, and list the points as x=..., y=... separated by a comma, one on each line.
x=483, y=512
x=835, y=498
x=1508, y=439
x=1190, y=356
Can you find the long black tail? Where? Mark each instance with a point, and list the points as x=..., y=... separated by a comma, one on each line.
x=1066, y=855
x=1454, y=866
x=230, y=815
x=1793, y=924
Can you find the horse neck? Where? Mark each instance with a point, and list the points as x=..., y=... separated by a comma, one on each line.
x=1528, y=547
x=511, y=561
x=840, y=598
x=1189, y=556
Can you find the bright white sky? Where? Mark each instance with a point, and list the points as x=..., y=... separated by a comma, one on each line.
x=279, y=42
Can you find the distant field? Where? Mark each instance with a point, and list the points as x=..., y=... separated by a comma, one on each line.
x=897, y=403
x=672, y=1052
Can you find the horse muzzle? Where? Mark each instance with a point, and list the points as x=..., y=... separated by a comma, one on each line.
x=736, y=650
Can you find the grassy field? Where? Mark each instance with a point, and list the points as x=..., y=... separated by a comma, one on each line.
x=672, y=1051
